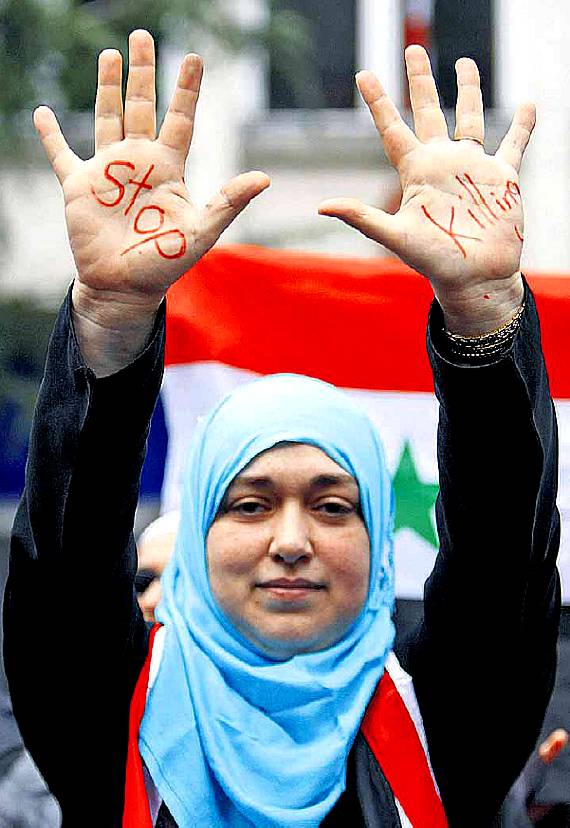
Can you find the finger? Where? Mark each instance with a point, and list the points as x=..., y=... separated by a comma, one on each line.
x=374, y=223
x=397, y=138
x=178, y=125
x=62, y=158
x=109, y=99
x=553, y=745
x=230, y=201
x=140, y=100
x=513, y=145
x=469, y=119
x=428, y=118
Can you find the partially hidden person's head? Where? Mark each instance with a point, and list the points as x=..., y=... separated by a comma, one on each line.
x=155, y=546
x=286, y=529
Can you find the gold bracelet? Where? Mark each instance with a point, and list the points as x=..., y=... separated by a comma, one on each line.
x=486, y=346
x=482, y=337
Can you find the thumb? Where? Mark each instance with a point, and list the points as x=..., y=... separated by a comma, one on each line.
x=63, y=160
x=372, y=222
x=236, y=194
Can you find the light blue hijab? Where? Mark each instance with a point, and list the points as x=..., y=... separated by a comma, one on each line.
x=231, y=737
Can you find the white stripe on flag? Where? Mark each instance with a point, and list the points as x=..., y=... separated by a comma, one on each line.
x=405, y=822
x=405, y=686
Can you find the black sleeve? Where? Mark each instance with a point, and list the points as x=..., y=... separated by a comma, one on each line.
x=74, y=638
x=484, y=659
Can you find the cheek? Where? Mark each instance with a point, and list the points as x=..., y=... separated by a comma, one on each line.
x=349, y=565
x=231, y=554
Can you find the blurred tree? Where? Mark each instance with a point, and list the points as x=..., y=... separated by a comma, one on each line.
x=25, y=332
x=20, y=22
x=53, y=44
x=26, y=329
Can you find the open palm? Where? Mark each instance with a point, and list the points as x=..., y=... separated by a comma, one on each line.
x=460, y=222
x=132, y=226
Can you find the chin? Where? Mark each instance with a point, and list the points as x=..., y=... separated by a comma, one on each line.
x=284, y=650
x=292, y=641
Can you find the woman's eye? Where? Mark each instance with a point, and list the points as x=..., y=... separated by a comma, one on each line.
x=335, y=509
x=248, y=507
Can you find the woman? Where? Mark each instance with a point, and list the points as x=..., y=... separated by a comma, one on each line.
x=270, y=696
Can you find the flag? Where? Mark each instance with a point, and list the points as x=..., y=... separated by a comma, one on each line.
x=360, y=324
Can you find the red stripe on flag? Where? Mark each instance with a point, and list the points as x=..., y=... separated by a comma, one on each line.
x=358, y=323
x=552, y=294
x=270, y=311
x=136, y=813
x=394, y=741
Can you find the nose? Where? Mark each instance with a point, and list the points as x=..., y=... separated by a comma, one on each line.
x=291, y=542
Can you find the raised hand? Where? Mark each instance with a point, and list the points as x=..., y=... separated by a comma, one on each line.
x=461, y=220
x=132, y=226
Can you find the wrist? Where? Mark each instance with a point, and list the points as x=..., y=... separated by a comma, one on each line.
x=484, y=348
x=111, y=329
x=483, y=308
x=115, y=310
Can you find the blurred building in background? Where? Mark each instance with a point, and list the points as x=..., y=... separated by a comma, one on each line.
x=287, y=104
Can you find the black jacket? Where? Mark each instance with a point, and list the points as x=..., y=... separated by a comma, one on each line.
x=483, y=659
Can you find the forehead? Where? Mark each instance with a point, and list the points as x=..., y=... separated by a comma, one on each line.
x=293, y=460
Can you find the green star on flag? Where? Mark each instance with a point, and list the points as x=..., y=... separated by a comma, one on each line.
x=414, y=498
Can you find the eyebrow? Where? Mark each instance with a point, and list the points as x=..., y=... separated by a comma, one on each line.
x=320, y=481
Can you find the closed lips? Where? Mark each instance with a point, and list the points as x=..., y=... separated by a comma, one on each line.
x=285, y=583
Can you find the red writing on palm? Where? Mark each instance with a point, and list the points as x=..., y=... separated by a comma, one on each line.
x=149, y=220
x=482, y=212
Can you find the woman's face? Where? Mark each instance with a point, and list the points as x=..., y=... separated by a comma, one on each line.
x=288, y=555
